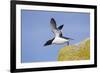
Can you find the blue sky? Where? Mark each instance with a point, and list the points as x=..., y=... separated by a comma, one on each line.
x=36, y=31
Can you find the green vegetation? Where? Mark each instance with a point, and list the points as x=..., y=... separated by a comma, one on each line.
x=75, y=52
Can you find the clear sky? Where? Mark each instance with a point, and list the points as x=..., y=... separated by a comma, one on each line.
x=36, y=31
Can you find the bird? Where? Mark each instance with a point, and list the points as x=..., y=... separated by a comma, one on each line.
x=58, y=36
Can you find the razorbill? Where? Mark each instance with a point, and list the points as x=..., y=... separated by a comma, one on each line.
x=59, y=38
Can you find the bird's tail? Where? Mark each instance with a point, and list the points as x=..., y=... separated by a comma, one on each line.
x=67, y=38
x=71, y=39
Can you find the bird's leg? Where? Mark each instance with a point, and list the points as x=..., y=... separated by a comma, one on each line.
x=68, y=43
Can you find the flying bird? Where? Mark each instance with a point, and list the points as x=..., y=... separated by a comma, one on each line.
x=58, y=37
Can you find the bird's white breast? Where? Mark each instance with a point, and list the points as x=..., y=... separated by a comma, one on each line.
x=59, y=40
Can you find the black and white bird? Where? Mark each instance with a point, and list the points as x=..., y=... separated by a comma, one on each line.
x=59, y=38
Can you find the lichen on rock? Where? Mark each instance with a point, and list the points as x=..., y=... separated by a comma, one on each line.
x=80, y=51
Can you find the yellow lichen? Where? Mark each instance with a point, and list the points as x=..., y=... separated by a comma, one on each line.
x=75, y=52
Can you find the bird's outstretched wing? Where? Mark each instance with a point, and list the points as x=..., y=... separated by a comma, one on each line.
x=53, y=24
x=54, y=28
x=60, y=27
x=48, y=42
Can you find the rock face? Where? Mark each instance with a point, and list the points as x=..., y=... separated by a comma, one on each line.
x=75, y=52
